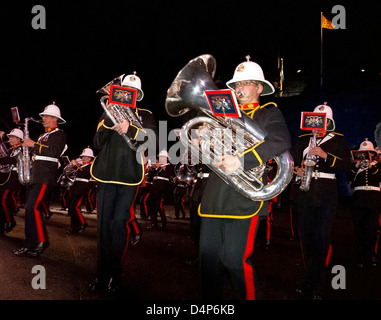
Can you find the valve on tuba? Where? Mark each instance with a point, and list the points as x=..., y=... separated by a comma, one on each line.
x=186, y=93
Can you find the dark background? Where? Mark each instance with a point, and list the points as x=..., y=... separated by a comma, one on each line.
x=86, y=44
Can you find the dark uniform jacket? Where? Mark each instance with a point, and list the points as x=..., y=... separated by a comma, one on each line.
x=370, y=177
x=117, y=162
x=163, y=178
x=323, y=191
x=51, y=145
x=81, y=182
x=222, y=201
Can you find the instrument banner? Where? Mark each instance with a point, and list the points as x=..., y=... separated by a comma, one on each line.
x=313, y=121
x=223, y=103
x=358, y=155
x=123, y=96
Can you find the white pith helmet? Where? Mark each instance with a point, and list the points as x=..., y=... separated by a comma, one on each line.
x=163, y=153
x=54, y=111
x=323, y=108
x=132, y=80
x=366, y=145
x=16, y=133
x=87, y=152
x=250, y=70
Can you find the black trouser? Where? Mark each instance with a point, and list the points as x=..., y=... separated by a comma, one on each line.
x=76, y=217
x=315, y=228
x=227, y=245
x=365, y=224
x=155, y=205
x=113, y=202
x=35, y=228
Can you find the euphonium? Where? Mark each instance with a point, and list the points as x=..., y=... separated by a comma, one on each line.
x=221, y=134
x=309, y=164
x=119, y=113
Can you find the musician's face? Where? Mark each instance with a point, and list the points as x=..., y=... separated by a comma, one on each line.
x=14, y=140
x=49, y=121
x=247, y=91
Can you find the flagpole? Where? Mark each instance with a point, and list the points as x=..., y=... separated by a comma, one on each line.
x=321, y=49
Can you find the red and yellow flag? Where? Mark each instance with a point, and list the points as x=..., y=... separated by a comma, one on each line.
x=325, y=23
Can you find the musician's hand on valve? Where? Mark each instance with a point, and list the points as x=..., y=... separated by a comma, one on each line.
x=229, y=164
x=317, y=151
x=122, y=127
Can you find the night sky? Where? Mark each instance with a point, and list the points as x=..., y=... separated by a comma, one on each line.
x=86, y=44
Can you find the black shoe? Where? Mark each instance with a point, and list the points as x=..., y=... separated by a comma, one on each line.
x=136, y=239
x=21, y=252
x=97, y=285
x=83, y=227
x=113, y=286
x=40, y=248
x=9, y=227
x=153, y=226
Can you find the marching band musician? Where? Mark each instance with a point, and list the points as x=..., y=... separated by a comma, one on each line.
x=229, y=220
x=46, y=152
x=11, y=184
x=79, y=190
x=317, y=207
x=118, y=173
x=366, y=197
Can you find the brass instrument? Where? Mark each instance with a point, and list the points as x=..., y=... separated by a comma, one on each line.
x=309, y=164
x=119, y=113
x=69, y=173
x=23, y=158
x=4, y=168
x=221, y=134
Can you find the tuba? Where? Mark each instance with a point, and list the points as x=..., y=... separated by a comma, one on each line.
x=119, y=113
x=186, y=93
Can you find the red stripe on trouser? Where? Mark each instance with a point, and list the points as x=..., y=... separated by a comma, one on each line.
x=145, y=203
x=5, y=207
x=78, y=210
x=37, y=216
x=247, y=268
x=329, y=254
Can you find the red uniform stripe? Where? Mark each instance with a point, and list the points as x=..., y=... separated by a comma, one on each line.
x=78, y=210
x=5, y=207
x=37, y=216
x=248, y=269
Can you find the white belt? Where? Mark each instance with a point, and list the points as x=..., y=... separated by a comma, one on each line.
x=317, y=174
x=367, y=188
x=46, y=158
x=160, y=178
x=202, y=175
x=81, y=179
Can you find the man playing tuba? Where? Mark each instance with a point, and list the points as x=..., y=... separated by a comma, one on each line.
x=229, y=219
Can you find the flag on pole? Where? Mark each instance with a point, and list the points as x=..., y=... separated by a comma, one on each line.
x=325, y=23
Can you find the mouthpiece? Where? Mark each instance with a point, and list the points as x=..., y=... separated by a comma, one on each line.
x=240, y=94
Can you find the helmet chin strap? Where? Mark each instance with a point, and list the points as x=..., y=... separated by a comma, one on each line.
x=243, y=99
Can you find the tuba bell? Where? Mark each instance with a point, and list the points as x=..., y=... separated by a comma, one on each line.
x=186, y=93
